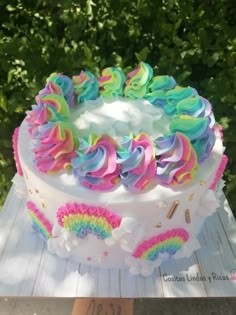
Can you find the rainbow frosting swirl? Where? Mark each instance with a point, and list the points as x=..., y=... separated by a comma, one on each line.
x=176, y=159
x=85, y=86
x=95, y=165
x=66, y=85
x=83, y=219
x=52, y=107
x=138, y=83
x=56, y=146
x=137, y=162
x=202, y=137
x=111, y=83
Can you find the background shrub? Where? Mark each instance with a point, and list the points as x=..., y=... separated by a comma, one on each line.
x=195, y=41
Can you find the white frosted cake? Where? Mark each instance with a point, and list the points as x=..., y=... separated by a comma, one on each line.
x=120, y=172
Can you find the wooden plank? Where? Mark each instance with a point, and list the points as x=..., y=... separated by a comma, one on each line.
x=180, y=278
x=56, y=277
x=139, y=286
x=216, y=259
x=21, y=256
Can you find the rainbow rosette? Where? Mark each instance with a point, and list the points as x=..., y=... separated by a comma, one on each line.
x=202, y=137
x=138, y=83
x=137, y=162
x=83, y=220
x=174, y=96
x=52, y=107
x=159, y=86
x=66, y=85
x=197, y=107
x=111, y=83
x=176, y=159
x=55, y=147
x=95, y=165
x=85, y=86
x=50, y=88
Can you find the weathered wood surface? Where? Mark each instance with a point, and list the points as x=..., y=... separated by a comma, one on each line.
x=27, y=269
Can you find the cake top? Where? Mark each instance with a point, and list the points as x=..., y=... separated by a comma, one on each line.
x=137, y=130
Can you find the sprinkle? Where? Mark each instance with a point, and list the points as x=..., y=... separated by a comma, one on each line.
x=44, y=204
x=89, y=258
x=202, y=182
x=30, y=191
x=105, y=253
x=158, y=225
x=25, y=174
x=172, y=209
x=190, y=198
x=187, y=216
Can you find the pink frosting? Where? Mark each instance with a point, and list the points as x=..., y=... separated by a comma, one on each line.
x=56, y=147
x=219, y=172
x=15, y=151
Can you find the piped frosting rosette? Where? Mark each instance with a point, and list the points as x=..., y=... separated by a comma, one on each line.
x=198, y=131
x=137, y=162
x=66, y=85
x=55, y=146
x=52, y=107
x=85, y=86
x=95, y=164
x=138, y=83
x=111, y=83
x=176, y=159
x=158, y=88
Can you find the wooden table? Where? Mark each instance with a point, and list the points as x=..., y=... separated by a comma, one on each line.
x=28, y=269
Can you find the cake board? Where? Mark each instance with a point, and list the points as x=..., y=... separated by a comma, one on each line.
x=28, y=269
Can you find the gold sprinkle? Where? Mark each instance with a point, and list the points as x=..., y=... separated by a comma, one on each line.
x=172, y=209
x=158, y=225
x=44, y=204
x=187, y=216
x=190, y=198
x=25, y=174
x=202, y=182
x=30, y=191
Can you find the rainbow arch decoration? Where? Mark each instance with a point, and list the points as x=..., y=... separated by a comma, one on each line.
x=40, y=223
x=168, y=242
x=83, y=219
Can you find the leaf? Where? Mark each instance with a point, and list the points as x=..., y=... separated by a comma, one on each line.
x=3, y=101
x=142, y=55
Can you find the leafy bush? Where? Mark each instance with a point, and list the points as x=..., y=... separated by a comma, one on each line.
x=193, y=41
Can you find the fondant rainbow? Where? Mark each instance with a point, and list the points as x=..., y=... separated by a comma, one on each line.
x=168, y=242
x=83, y=219
x=40, y=223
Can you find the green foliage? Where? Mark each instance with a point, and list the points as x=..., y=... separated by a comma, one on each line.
x=194, y=41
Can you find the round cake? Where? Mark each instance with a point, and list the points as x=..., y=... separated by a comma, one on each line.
x=121, y=170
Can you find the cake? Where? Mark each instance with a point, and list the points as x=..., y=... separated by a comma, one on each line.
x=121, y=171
